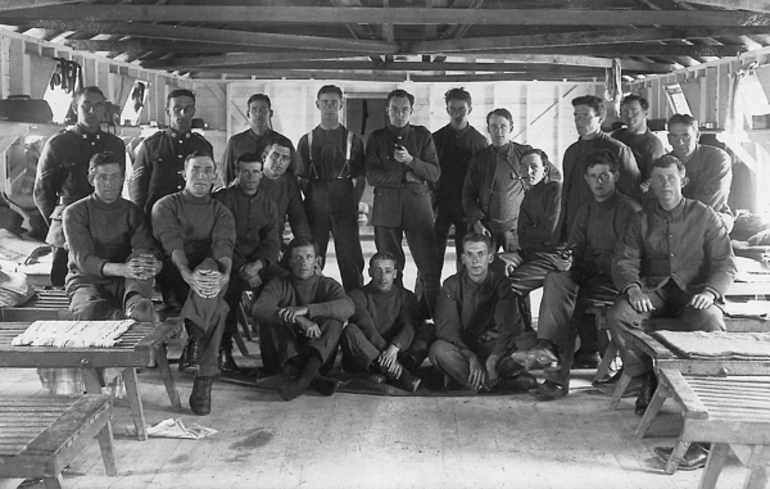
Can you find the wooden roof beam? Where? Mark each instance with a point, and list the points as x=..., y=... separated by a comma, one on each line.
x=237, y=60
x=405, y=16
x=396, y=66
x=577, y=39
x=620, y=49
x=750, y=5
x=200, y=34
x=8, y=5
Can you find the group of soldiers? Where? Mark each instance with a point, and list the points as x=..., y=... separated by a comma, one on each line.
x=622, y=223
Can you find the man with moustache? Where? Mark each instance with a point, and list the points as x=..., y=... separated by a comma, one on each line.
x=197, y=234
x=62, y=170
x=455, y=144
x=401, y=164
x=330, y=165
x=254, y=139
x=159, y=165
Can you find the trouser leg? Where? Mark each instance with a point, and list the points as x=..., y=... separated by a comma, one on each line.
x=318, y=219
x=93, y=302
x=388, y=240
x=347, y=244
x=233, y=299
x=358, y=352
x=591, y=290
x=277, y=343
x=422, y=244
x=412, y=357
x=205, y=320
x=560, y=291
x=326, y=345
x=59, y=266
x=623, y=318
x=449, y=360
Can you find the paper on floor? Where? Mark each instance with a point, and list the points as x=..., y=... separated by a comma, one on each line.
x=175, y=428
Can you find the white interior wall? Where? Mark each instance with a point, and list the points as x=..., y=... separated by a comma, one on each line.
x=542, y=110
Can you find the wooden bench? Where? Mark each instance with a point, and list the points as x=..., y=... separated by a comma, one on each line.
x=39, y=437
x=728, y=412
x=46, y=304
x=143, y=345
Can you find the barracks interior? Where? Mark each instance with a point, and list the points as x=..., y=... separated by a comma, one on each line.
x=384, y=244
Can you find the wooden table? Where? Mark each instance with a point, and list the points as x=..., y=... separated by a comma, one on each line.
x=40, y=437
x=143, y=345
x=729, y=412
x=660, y=354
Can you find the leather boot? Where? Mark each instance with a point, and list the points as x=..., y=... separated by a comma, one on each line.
x=200, y=399
x=188, y=362
x=225, y=360
x=407, y=382
x=649, y=384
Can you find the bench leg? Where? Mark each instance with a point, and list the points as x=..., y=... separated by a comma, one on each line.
x=660, y=396
x=105, y=445
x=759, y=464
x=677, y=455
x=137, y=411
x=717, y=457
x=57, y=483
x=609, y=356
x=161, y=359
x=243, y=321
x=93, y=378
x=617, y=394
x=241, y=344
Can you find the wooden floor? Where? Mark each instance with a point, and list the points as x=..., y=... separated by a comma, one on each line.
x=361, y=441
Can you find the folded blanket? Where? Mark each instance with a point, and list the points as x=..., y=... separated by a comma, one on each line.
x=73, y=334
x=716, y=346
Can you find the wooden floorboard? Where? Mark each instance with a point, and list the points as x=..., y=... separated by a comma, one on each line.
x=373, y=442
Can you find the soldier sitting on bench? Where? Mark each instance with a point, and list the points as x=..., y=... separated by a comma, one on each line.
x=113, y=257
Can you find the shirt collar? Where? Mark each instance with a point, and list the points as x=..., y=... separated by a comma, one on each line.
x=675, y=213
x=174, y=134
x=78, y=129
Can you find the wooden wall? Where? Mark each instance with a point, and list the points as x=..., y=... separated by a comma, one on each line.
x=542, y=110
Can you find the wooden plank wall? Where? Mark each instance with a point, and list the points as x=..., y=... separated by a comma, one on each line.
x=26, y=65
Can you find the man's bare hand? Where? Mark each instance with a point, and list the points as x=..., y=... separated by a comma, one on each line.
x=309, y=328
x=291, y=313
x=639, y=300
x=491, y=367
x=479, y=228
x=250, y=271
x=401, y=154
x=388, y=359
x=477, y=374
x=702, y=301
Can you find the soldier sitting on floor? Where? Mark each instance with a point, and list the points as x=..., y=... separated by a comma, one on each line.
x=113, y=257
x=301, y=318
x=383, y=336
x=478, y=325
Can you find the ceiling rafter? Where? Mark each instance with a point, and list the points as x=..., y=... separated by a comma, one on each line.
x=618, y=49
x=376, y=15
x=155, y=31
x=580, y=38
